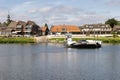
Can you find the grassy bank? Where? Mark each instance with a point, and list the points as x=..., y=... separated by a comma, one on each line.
x=58, y=40
x=16, y=40
x=103, y=39
x=110, y=40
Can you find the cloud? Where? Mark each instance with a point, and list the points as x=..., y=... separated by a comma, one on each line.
x=55, y=14
x=60, y=9
x=28, y=3
x=113, y=3
x=3, y=14
x=32, y=10
x=45, y=9
x=22, y=8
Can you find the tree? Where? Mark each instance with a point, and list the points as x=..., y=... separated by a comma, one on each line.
x=8, y=21
x=112, y=22
x=47, y=29
x=119, y=23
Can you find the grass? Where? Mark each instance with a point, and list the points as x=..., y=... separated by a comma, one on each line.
x=110, y=40
x=103, y=39
x=16, y=40
x=60, y=40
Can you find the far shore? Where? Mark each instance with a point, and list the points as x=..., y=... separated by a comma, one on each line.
x=60, y=39
x=104, y=38
x=16, y=40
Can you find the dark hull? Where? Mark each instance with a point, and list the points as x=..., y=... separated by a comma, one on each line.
x=85, y=46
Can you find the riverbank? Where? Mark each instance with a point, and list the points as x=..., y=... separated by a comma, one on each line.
x=47, y=39
x=16, y=40
x=110, y=40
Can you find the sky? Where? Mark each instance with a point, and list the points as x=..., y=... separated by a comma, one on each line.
x=56, y=12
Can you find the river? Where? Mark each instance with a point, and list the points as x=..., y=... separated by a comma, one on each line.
x=55, y=62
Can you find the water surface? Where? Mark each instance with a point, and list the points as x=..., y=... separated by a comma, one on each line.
x=55, y=62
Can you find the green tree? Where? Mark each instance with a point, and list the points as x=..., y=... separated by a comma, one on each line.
x=47, y=29
x=112, y=22
x=118, y=22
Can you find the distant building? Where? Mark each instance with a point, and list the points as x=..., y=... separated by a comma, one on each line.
x=95, y=29
x=20, y=28
x=23, y=28
x=62, y=29
x=117, y=29
x=33, y=29
x=45, y=30
x=3, y=29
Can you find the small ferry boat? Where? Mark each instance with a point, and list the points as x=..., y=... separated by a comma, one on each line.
x=82, y=43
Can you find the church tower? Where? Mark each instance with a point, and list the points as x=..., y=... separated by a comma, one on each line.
x=8, y=20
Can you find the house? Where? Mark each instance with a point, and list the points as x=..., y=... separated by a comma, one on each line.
x=20, y=28
x=24, y=28
x=45, y=30
x=62, y=29
x=3, y=30
x=95, y=29
x=33, y=29
x=117, y=29
x=16, y=28
x=28, y=28
x=11, y=28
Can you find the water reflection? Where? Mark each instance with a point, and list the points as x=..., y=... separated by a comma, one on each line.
x=54, y=62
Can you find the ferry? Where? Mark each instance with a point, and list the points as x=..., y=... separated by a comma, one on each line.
x=82, y=43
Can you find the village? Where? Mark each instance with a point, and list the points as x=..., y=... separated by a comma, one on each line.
x=30, y=28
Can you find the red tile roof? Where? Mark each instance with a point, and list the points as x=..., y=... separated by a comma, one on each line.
x=65, y=28
x=43, y=28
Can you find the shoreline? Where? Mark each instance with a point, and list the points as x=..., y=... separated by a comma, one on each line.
x=56, y=39
x=109, y=40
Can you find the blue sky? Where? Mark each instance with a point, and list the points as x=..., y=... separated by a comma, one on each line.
x=74, y=12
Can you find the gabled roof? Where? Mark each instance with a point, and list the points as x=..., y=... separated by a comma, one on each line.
x=116, y=28
x=2, y=25
x=65, y=28
x=21, y=23
x=30, y=23
x=43, y=28
x=12, y=25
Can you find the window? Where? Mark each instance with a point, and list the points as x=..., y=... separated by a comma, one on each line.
x=19, y=26
x=28, y=27
x=64, y=30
